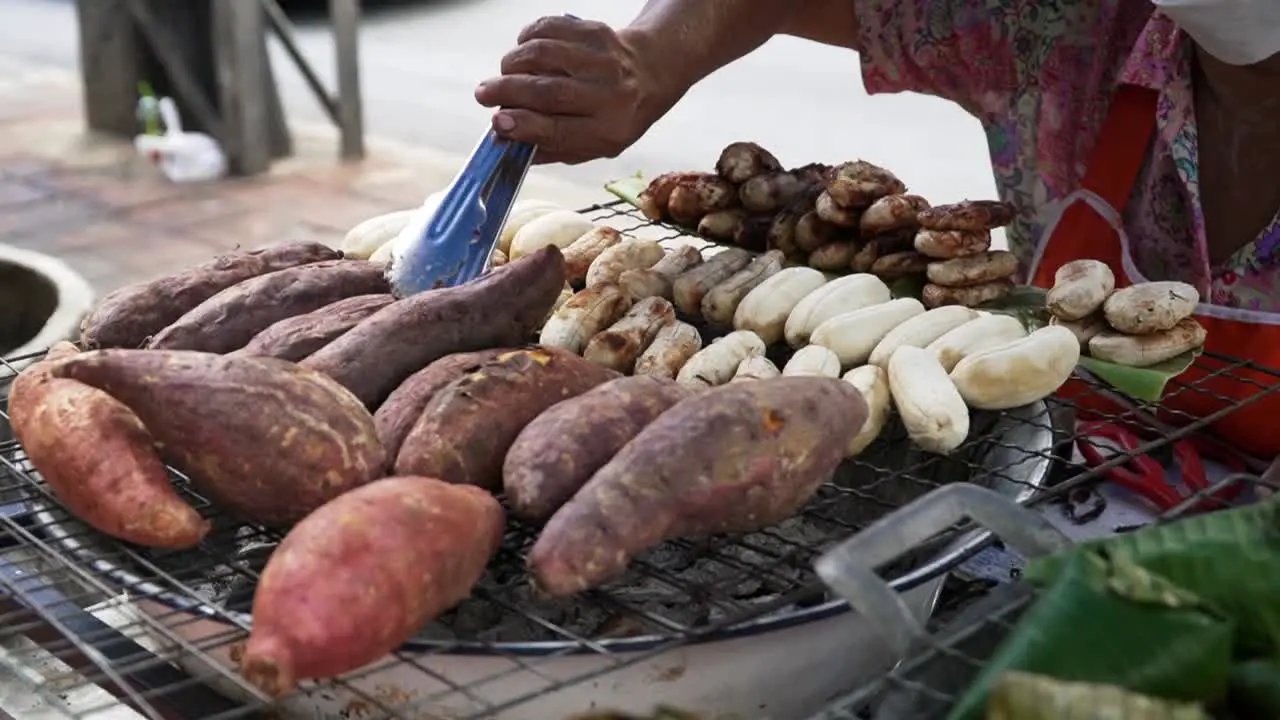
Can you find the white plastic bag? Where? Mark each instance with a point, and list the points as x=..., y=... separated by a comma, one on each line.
x=183, y=157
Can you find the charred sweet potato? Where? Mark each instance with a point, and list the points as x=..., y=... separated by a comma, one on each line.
x=360, y=575
x=263, y=438
x=734, y=458
x=297, y=337
x=229, y=320
x=403, y=407
x=465, y=431
x=501, y=309
x=128, y=316
x=98, y=458
x=562, y=448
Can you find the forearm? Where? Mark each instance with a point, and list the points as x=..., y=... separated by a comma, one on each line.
x=698, y=37
x=694, y=38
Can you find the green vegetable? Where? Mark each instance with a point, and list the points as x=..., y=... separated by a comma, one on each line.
x=1231, y=558
x=1022, y=696
x=1255, y=689
x=628, y=189
x=1108, y=621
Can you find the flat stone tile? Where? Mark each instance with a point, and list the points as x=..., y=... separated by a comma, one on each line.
x=188, y=208
x=15, y=192
x=311, y=203
x=46, y=219
x=253, y=230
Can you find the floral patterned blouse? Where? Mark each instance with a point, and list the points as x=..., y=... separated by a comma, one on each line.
x=1040, y=75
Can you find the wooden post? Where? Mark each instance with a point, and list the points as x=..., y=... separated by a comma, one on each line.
x=110, y=65
x=345, y=16
x=241, y=61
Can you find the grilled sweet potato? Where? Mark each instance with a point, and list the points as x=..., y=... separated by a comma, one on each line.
x=501, y=309
x=360, y=575
x=297, y=337
x=229, y=320
x=562, y=448
x=465, y=431
x=403, y=407
x=263, y=438
x=98, y=458
x=128, y=316
x=734, y=458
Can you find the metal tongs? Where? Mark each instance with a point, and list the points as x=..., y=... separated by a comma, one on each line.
x=458, y=241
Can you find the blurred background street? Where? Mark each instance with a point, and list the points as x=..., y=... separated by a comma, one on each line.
x=421, y=59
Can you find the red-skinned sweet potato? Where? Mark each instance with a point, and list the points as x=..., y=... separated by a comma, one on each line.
x=562, y=448
x=229, y=320
x=360, y=575
x=735, y=458
x=465, y=431
x=264, y=439
x=297, y=337
x=402, y=408
x=126, y=317
x=500, y=309
x=99, y=460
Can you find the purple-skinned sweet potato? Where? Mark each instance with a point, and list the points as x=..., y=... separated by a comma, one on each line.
x=229, y=320
x=98, y=459
x=264, y=439
x=402, y=408
x=562, y=448
x=125, y=318
x=360, y=575
x=500, y=309
x=297, y=337
x=467, y=428
x=735, y=458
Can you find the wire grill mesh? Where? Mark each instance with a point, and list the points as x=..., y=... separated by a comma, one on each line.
x=160, y=640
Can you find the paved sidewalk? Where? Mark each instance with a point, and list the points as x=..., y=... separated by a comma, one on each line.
x=115, y=219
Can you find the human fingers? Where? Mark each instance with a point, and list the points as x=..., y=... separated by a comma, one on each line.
x=570, y=29
x=554, y=57
x=559, y=138
x=542, y=93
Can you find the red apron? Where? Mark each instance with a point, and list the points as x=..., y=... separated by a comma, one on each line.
x=1085, y=231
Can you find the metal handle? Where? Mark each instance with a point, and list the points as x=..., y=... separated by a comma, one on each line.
x=849, y=568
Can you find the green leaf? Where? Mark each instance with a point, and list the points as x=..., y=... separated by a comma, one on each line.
x=1146, y=384
x=1231, y=558
x=1025, y=303
x=1100, y=621
x=628, y=189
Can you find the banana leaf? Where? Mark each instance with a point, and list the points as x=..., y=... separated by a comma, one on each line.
x=1255, y=689
x=1230, y=558
x=628, y=189
x=1111, y=622
x=1023, y=696
x=662, y=712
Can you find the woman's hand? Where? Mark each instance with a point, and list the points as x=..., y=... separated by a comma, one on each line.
x=579, y=90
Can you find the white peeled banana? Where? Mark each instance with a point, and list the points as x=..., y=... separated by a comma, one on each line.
x=975, y=336
x=1018, y=372
x=813, y=360
x=719, y=305
x=921, y=330
x=363, y=240
x=765, y=309
x=717, y=363
x=756, y=367
x=583, y=315
x=558, y=227
x=522, y=213
x=931, y=408
x=842, y=295
x=873, y=383
x=853, y=335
